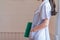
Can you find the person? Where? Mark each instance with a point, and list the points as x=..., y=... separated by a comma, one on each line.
x=39, y=29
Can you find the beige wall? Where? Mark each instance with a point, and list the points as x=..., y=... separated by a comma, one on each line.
x=14, y=14
x=53, y=20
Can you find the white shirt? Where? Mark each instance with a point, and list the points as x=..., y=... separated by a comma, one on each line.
x=43, y=12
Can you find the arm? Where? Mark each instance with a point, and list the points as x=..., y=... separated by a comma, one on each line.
x=45, y=16
x=41, y=26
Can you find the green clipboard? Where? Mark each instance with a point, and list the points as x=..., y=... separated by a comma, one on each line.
x=27, y=30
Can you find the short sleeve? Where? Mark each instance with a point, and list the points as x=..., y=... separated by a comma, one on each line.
x=45, y=13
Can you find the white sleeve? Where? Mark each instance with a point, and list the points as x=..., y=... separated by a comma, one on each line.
x=45, y=13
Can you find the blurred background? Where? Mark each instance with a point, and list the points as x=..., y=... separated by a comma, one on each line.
x=14, y=15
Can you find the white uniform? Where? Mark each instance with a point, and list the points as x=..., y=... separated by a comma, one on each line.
x=43, y=12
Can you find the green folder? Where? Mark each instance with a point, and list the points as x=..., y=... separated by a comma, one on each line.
x=27, y=30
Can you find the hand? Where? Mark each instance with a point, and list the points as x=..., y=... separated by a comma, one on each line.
x=32, y=30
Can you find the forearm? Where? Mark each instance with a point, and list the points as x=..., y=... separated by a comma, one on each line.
x=41, y=26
